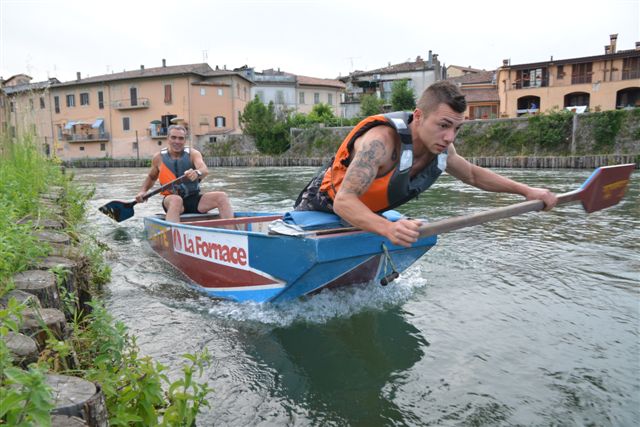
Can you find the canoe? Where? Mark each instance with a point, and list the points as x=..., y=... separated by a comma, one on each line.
x=266, y=257
x=243, y=259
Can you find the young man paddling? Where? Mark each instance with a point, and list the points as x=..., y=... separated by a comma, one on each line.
x=175, y=161
x=387, y=160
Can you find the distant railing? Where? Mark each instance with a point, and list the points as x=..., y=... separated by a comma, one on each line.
x=129, y=104
x=91, y=137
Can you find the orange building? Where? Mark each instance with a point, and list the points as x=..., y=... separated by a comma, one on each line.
x=126, y=115
x=603, y=82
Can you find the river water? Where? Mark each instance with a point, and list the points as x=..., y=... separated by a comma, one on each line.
x=532, y=320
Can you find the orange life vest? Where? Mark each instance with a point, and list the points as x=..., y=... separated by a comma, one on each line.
x=394, y=188
x=171, y=169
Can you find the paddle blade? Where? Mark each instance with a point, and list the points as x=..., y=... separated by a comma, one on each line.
x=605, y=187
x=118, y=211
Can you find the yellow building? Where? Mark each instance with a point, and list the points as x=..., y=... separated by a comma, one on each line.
x=126, y=115
x=594, y=83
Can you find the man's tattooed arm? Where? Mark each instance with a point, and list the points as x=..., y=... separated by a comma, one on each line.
x=364, y=167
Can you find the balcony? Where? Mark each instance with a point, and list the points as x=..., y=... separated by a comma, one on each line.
x=131, y=104
x=86, y=137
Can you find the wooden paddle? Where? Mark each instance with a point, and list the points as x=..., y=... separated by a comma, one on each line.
x=605, y=187
x=120, y=211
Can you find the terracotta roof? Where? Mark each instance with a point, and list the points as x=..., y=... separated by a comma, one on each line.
x=396, y=68
x=465, y=69
x=474, y=78
x=30, y=86
x=480, y=95
x=202, y=69
x=629, y=53
x=313, y=81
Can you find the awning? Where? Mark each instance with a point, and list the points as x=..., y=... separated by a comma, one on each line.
x=69, y=125
x=97, y=123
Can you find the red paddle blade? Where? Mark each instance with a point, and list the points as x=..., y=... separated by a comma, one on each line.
x=605, y=187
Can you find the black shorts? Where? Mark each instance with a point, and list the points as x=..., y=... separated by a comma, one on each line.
x=190, y=203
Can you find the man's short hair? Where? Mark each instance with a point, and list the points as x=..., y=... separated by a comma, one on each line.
x=442, y=92
x=177, y=127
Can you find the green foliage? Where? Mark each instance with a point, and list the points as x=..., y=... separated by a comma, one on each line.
x=25, y=398
x=321, y=113
x=551, y=131
x=133, y=384
x=260, y=122
x=370, y=105
x=606, y=126
x=402, y=96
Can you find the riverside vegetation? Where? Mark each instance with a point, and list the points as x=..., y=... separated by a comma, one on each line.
x=137, y=389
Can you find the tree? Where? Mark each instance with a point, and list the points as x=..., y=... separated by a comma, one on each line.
x=402, y=98
x=370, y=105
x=259, y=121
x=321, y=113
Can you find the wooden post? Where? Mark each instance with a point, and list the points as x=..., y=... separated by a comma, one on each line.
x=34, y=322
x=24, y=298
x=53, y=237
x=67, y=421
x=23, y=349
x=80, y=398
x=40, y=283
x=70, y=266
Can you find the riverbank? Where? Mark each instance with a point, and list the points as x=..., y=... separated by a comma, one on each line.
x=63, y=359
x=520, y=162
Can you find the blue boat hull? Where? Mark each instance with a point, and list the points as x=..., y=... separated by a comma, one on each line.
x=239, y=260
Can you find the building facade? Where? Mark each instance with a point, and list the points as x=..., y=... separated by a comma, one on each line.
x=481, y=92
x=419, y=73
x=294, y=93
x=602, y=82
x=126, y=115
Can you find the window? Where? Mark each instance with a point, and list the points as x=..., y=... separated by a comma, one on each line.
x=203, y=91
x=330, y=98
x=133, y=94
x=125, y=123
x=84, y=98
x=220, y=122
x=631, y=68
x=103, y=146
x=301, y=98
x=71, y=100
x=31, y=104
x=100, y=100
x=279, y=97
x=167, y=94
x=581, y=73
x=560, y=74
x=244, y=89
x=11, y=107
x=220, y=91
x=56, y=104
x=42, y=102
x=536, y=77
x=82, y=148
x=316, y=98
x=238, y=90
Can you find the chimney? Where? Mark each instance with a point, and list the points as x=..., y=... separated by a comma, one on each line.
x=418, y=58
x=637, y=45
x=142, y=68
x=164, y=62
x=430, y=58
x=505, y=62
x=607, y=49
x=78, y=76
x=613, y=38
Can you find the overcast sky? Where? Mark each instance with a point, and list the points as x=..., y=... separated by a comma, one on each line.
x=318, y=38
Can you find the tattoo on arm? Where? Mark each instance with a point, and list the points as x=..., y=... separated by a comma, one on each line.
x=364, y=168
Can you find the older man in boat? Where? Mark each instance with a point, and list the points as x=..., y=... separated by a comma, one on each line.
x=388, y=159
x=177, y=160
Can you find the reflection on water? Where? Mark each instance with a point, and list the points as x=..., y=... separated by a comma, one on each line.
x=532, y=320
